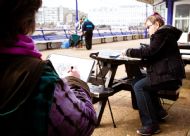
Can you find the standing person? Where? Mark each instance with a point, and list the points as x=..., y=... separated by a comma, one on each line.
x=165, y=71
x=87, y=29
x=34, y=101
x=79, y=31
x=79, y=25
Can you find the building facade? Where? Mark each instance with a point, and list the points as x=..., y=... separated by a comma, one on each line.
x=56, y=17
x=121, y=16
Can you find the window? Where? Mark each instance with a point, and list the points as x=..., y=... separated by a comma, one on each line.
x=182, y=16
x=161, y=9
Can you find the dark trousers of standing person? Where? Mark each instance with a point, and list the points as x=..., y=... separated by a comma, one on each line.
x=88, y=39
x=149, y=105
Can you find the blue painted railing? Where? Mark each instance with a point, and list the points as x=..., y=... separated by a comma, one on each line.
x=55, y=34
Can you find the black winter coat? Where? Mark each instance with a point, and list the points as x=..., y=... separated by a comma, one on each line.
x=163, y=56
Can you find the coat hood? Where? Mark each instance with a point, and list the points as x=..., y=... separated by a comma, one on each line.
x=172, y=30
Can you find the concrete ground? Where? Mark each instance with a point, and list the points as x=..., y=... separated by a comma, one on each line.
x=126, y=118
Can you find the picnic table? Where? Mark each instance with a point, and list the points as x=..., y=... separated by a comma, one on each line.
x=108, y=63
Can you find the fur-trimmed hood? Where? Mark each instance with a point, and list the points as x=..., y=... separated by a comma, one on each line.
x=170, y=29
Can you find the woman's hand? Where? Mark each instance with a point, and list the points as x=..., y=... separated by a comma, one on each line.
x=73, y=72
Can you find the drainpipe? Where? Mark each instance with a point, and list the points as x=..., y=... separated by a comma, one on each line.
x=169, y=6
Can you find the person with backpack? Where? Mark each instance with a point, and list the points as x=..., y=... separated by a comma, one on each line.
x=34, y=101
x=87, y=29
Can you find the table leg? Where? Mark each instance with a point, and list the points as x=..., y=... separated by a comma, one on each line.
x=114, y=125
x=109, y=71
x=133, y=99
x=100, y=110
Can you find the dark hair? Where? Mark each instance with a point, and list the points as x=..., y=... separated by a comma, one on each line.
x=156, y=17
x=17, y=17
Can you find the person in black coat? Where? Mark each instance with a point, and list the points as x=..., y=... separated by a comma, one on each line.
x=165, y=70
x=87, y=29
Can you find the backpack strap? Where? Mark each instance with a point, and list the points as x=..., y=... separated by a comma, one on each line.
x=19, y=77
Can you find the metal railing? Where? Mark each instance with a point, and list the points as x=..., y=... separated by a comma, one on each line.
x=52, y=34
